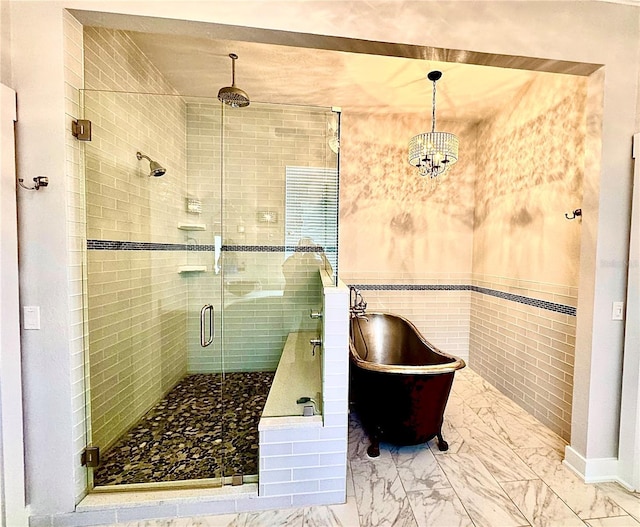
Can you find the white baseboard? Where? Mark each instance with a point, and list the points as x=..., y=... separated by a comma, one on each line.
x=592, y=470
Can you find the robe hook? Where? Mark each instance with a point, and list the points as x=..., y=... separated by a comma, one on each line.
x=575, y=214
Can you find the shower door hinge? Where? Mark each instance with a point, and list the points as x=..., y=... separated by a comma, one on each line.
x=81, y=129
x=90, y=457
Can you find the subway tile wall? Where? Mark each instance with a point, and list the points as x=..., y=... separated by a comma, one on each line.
x=233, y=192
x=441, y=316
x=204, y=183
x=525, y=351
x=136, y=302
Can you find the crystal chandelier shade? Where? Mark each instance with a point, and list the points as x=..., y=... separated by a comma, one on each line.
x=433, y=152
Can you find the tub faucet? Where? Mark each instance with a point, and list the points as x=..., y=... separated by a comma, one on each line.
x=315, y=343
x=357, y=305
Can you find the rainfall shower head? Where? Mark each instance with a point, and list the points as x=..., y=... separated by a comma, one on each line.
x=234, y=97
x=155, y=169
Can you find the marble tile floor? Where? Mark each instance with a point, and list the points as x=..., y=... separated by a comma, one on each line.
x=503, y=469
x=203, y=428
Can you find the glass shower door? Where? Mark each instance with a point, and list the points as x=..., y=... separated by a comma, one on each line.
x=203, y=205
x=155, y=397
x=271, y=252
x=206, y=227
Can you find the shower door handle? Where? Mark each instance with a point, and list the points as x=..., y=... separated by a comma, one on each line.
x=204, y=342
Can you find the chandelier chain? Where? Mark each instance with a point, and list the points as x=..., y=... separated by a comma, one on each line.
x=433, y=109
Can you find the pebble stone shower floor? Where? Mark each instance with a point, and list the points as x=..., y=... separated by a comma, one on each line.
x=203, y=426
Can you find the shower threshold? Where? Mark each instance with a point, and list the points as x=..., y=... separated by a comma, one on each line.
x=208, y=483
x=204, y=433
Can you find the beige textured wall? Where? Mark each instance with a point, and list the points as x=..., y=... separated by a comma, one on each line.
x=397, y=228
x=392, y=221
x=5, y=43
x=136, y=300
x=529, y=173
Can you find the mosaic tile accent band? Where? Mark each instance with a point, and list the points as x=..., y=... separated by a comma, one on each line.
x=543, y=304
x=111, y=245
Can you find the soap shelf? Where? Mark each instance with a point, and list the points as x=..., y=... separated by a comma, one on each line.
x=192, y=269
x=192, y=226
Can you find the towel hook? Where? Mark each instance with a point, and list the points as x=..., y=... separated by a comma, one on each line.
x=575, y=214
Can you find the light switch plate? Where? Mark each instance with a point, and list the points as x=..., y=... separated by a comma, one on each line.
x=31, y=317
x=617, y=312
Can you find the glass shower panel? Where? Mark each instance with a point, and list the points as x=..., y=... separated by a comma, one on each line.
x=278, y=230
x=155, y=391
x=206, y=227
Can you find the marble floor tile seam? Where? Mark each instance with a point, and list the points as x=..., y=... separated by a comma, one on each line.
x=452, y=488
x=552, y=485
x=633, y=512
x=461, y=520
x=498, y=482
x=586, y=500
x=627, y=500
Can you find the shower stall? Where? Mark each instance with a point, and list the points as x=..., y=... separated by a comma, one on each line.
x=195, y=277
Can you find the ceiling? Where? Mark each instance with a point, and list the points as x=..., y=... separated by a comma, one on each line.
x=356, y=75
x=354, y=81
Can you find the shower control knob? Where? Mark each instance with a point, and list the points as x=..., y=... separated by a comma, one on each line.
x=315, y=314
x=316, y=343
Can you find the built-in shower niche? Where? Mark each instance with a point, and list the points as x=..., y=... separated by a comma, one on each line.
x=158, y=396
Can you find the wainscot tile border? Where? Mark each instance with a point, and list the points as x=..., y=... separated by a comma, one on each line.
x=113, y=245
x=535, y=302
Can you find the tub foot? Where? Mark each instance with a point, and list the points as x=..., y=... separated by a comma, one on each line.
x=374, y=447
x=443, y=446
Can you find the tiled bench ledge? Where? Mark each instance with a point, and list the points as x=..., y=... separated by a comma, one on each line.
x=299, y=374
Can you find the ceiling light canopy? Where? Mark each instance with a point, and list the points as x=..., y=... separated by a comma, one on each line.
x=433, y=152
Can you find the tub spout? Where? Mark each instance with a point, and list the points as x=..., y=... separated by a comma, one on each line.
x=309, y=409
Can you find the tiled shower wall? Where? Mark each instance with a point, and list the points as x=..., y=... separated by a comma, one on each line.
x=256, y=325
x=137, y=303
x=529, y=174
x=144, y=316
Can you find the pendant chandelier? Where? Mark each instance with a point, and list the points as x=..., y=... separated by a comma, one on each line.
x=433, y=152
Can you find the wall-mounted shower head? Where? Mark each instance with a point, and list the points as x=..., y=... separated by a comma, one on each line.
x=231, y=95
x=155, y=169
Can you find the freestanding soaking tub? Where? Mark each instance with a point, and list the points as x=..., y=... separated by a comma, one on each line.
x=400, y=383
